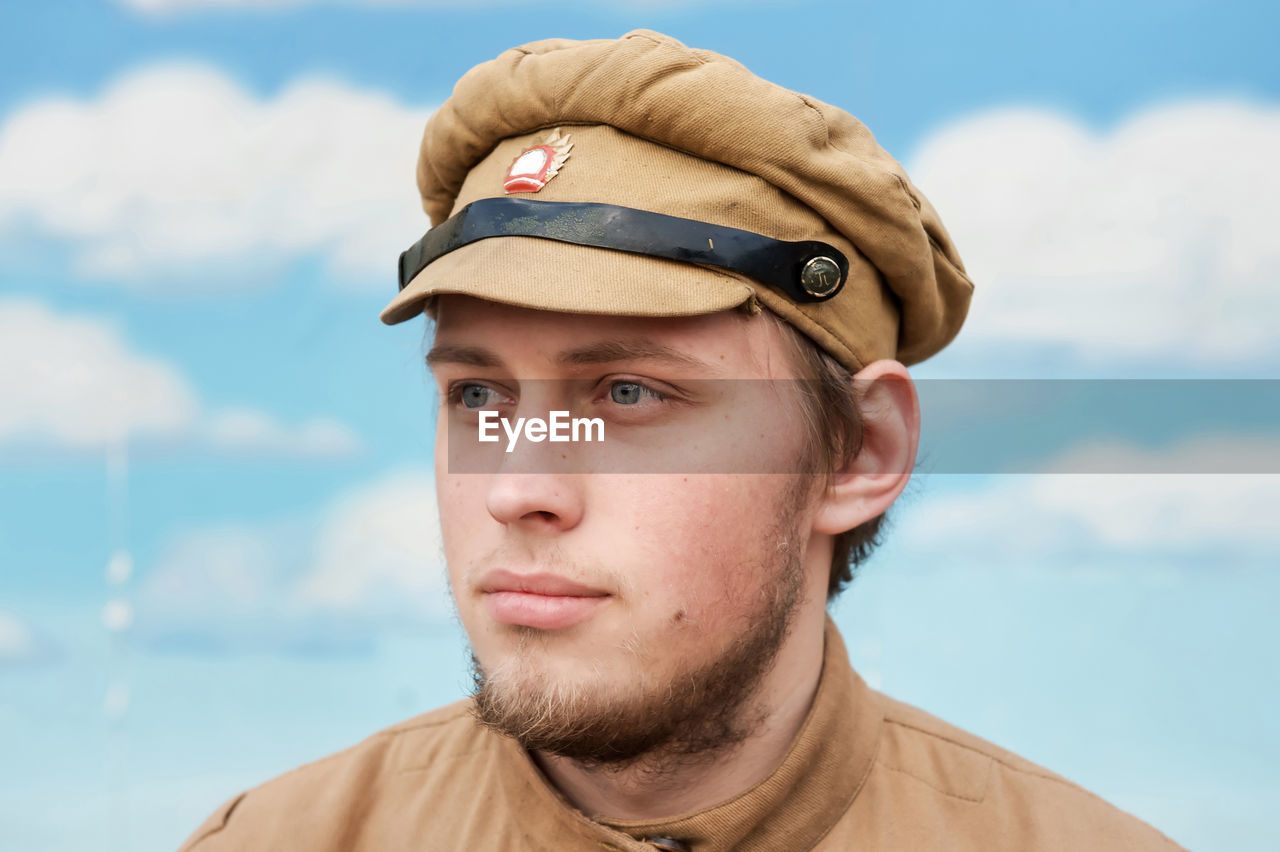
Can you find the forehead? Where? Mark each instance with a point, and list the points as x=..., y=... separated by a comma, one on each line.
x=727, y=344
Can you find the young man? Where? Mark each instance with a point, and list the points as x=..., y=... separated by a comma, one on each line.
x=726, y=277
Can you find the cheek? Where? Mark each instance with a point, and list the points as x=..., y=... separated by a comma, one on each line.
x=703, y=542
x=467, y=539
x=462, y=514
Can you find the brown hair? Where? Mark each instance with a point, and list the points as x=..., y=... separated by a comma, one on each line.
x=831, y=410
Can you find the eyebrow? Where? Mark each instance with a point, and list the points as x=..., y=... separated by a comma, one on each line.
x=608, y=351
x=604, y=352
x=471, y=356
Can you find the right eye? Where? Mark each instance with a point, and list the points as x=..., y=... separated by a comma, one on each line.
x=471, y=395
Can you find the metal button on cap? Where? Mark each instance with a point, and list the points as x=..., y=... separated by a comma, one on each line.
x=820, y=276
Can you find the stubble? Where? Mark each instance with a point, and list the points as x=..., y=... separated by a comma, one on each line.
x=696, y=715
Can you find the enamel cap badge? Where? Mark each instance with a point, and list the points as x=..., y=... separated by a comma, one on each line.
x=537, y=165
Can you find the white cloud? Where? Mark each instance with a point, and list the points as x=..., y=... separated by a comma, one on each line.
x=16, y=640
x=370, y=560
x=117, y=615
x=19, y=642
x=177, y=177
x=1153, y=241
x=1215, y=453
x=1140, y=518
x=373, y=547
x=242, y=431
x=230, y=570
x=74, y=383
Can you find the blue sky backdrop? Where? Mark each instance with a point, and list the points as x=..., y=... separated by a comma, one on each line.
x=218, y=546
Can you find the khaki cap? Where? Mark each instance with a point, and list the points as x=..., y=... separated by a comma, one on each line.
x=657, y=126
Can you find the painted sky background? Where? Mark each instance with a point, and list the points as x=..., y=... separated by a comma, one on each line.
x=217, y=547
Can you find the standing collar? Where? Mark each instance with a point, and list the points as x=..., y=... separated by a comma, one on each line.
x=792, y=808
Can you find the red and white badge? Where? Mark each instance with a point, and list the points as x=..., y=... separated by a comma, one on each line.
x=537, y=165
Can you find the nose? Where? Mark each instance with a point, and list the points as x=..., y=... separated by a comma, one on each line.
x=536, y=502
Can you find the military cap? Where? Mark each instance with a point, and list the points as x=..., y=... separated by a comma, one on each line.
x=637, y=176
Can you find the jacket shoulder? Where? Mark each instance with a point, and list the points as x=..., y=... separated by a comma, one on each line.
x=336, y=784
x=1020, y=798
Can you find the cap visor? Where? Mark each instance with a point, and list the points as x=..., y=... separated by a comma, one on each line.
x=552, y=276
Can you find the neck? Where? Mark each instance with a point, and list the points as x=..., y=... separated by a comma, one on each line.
x=658, y=785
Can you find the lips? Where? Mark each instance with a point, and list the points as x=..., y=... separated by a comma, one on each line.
x=541, y=601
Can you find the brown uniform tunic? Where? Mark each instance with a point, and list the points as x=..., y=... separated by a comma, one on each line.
x=865, y=772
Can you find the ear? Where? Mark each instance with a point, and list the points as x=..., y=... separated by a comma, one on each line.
x=868, y=485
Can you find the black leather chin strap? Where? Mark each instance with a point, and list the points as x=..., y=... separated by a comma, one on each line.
x=806, y=271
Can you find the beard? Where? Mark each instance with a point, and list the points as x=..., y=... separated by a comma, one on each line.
x=701, y=711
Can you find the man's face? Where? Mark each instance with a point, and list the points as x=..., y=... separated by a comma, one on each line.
x=618, y=613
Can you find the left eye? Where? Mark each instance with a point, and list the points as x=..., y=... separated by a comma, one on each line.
x=476, y=396
x=630, y=393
